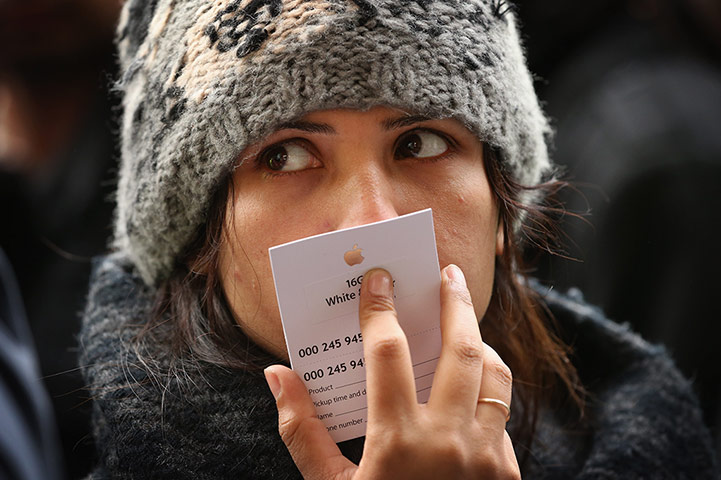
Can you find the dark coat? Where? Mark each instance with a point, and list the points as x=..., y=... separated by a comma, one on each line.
x=643, y=420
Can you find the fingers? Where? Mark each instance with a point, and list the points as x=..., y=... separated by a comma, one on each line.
x=497, y=383
x=389, y=374
x=457, y=381
x=468, y=370
x=309, y=443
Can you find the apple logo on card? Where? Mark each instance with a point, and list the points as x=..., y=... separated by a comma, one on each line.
x=354, y=257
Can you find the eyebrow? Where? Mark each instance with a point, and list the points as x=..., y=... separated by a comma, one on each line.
x=324, y=128
x=404, y=121
x=310, y=127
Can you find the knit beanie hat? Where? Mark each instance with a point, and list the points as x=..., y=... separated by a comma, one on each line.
x=204, y=79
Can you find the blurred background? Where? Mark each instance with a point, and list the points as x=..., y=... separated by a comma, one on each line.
x=634, y=90
x=57, y=166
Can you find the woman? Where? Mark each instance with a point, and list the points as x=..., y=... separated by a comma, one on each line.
x=248, y=124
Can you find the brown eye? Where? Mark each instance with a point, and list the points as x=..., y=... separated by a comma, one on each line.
x=421, y=144
x=287, y=157
x=276, y=157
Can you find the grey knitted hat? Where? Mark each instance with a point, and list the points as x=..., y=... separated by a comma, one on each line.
x=204, y=79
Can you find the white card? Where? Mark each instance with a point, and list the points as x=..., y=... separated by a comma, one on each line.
x=317, y=282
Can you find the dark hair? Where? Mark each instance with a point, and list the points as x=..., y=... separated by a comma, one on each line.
x=517, y=324
x=204, y=328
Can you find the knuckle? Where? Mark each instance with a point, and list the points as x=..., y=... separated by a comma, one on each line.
x=487, y=462
x=287, y=426
x=392, y=444
x=377, y=305
x=493, y=464
x=388, y=348
x=453, y=450
x=468, y=350
x=501, y=373
x=398, y=445
x=290, y=432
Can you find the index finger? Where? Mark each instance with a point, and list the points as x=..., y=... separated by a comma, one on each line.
x=389, y=375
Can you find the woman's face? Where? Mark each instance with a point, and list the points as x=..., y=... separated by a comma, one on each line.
x=335, y=169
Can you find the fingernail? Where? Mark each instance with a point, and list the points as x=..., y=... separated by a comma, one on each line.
x=273, y=382
x=379, y=283
x=455, y=274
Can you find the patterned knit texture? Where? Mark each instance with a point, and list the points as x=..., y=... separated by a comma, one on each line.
x=208, y=423
x=642, y=421
x=202, y=80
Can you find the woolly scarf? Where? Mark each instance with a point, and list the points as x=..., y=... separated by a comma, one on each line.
x=642, y=420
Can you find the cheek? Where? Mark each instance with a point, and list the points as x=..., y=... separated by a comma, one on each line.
x=246, y=277
x=251, y=228
x=241, y=281
x=259, y=223
x=466, y=223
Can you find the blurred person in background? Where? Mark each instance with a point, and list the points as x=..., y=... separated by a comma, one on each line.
x=635, y=89
x=29, y=446
x=57, y=155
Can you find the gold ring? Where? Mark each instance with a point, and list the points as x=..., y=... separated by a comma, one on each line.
x=495, y=401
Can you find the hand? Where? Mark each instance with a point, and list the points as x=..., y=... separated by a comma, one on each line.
x=451, y=436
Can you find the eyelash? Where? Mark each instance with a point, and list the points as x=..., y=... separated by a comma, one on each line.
x=267, y=173
x=302, y=142
x=452, y=144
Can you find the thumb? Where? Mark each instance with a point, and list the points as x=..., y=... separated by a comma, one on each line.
x=313, y=450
